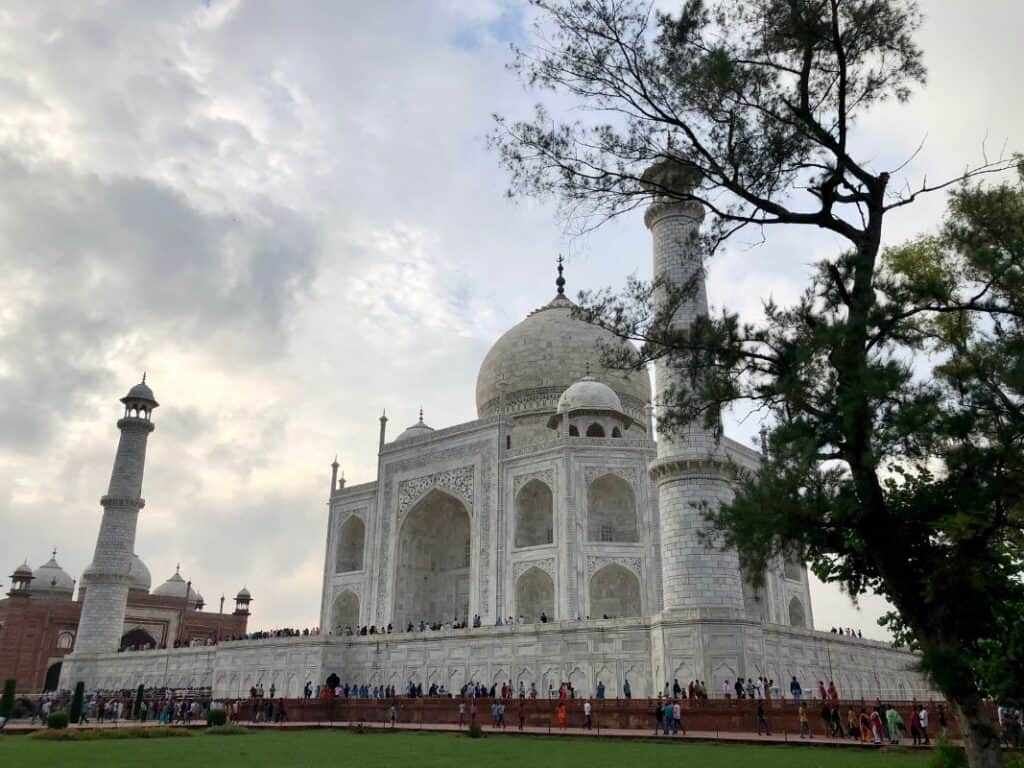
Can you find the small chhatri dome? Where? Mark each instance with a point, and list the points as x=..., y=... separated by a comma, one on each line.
x=22, y=572
x=50, y=578
x=141, y=393
x=416, y=430
x=177, y=587
x=243, y=594
x=139, y=574
x=589, y=394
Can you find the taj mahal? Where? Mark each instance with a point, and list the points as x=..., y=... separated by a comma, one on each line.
x=556, y=537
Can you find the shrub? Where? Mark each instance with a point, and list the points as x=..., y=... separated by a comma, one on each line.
x=475, y=731
x=76, y=702
x=216, y=718
x=947, y=755
x=7, y=700
x=57, y=720
x=22, y=708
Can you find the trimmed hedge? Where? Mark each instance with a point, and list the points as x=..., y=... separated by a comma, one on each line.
x=106, y=734
x=57, y=720
x=216, y=718
x=7, y=700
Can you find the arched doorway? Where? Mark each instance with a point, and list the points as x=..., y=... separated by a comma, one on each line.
x=52, y=677
x=432, y=579
x=345, y=612
x=137, y=638
x=535, y=593
x=614, y=592
x=611, y=510
x=534, y=518
x=351, y=539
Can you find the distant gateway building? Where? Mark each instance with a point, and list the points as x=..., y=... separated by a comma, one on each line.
x=555, y=501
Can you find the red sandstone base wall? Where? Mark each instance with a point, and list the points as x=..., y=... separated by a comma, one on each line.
x=712, y=715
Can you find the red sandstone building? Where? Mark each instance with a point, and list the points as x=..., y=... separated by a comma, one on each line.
x=39, y=620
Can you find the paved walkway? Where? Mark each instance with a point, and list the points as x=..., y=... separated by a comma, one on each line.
x=24, y=726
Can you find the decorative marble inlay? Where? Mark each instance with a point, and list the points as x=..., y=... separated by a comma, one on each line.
x=522, y=566
x=596, y=562
x=546, y=476
x=458, y=482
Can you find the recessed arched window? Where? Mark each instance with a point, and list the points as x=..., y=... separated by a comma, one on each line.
x=616, y=432
x=65, y=640
x=611, y=510
x=793, y=570
x=534, y=506
x=595, y=430
x=614, y=593
x=797, y=617
x=351, y=541
x=573, y=432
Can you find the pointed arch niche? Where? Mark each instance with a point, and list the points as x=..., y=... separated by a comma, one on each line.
x=614, y=592
x=432, y=574
x=345, y=612
x=351, y=543
x=534, y=508
x=535, y=594
x=611, y=510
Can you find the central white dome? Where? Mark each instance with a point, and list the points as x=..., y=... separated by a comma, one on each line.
x=545, y=354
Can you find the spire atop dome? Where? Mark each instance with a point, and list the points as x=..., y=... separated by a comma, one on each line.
x=421, y=414
x=560, y=282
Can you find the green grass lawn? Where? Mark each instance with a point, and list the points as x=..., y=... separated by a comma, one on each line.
x=424, y=750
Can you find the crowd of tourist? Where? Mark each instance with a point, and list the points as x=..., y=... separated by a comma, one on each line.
x=441, y=626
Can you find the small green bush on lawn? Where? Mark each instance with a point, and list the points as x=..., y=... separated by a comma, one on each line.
x=57, y=720
x=216, y=717
x=475, y=731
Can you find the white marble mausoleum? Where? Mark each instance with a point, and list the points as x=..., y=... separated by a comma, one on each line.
x=558, y=501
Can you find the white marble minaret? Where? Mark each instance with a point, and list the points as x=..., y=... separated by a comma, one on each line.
x=691, y=469
x=106, y=580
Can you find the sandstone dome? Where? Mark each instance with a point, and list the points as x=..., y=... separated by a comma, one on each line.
x=541, y=357
x=589, y=394
x=139, y=573
x=177, y=587
x=51, y=579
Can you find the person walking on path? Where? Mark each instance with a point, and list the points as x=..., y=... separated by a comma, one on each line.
x=394, y=712
x=666, y=716
x=626, y=690
x=895, y=724
x=876, y=727
x=923, y=718
x=587, y=712
x=659, y=716
x=522, y=714
x=677, y=718
x=805, y=725
x=795, y=690
x=561, y=715
x=462, y=713
x=762, y=722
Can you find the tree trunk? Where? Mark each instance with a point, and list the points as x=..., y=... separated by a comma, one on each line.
x=980, y=739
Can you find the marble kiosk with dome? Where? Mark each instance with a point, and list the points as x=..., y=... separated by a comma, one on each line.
x=558, y=501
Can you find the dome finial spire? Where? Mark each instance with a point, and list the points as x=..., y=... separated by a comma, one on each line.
x=143, y=377
x=560, y=282
x=421, y=414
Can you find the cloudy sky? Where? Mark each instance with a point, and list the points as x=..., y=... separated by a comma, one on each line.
x=285, y=212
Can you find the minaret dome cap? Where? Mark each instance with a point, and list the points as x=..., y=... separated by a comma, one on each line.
x=141, y=393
